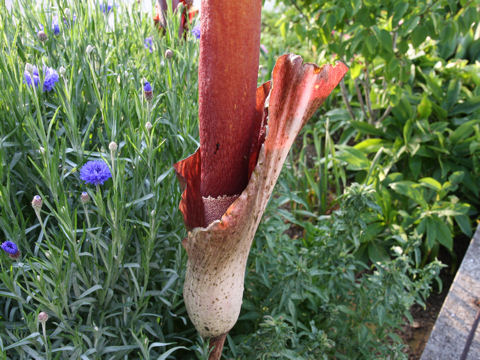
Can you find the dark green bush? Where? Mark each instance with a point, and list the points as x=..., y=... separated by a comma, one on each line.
x=311, y=297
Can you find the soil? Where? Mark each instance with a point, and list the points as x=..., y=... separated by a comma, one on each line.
x=416, y=335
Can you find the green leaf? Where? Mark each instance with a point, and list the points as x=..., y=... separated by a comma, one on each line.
x=356, y=159
x=431, y=230
x=377, y=253
x=370, y=145
x=463, y=131
x=424, y=109
x=464, y=224
x=444, y=235
x=431, y=183
x=366, y=128
x=453, y=92
x=468, y=107
x=409, y=189
x=356, y=70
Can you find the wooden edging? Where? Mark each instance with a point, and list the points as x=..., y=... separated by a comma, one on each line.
x=456, y=334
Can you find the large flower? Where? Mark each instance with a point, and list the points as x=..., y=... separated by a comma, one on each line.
x=244, y=140
x=51, y=77
x=95, y=172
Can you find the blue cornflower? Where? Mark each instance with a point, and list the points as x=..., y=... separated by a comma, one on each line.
x=11, y=249
x=147, y=91
x=106, y=8
x=31, y=76
x=55, y=27
x=147, y=86
x=51, y=77
x=95, y=172
x=196, y=31
x=148, y=43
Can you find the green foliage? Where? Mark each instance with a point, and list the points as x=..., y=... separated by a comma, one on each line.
x=108, y=272
x=313, y=298
x=412, y=99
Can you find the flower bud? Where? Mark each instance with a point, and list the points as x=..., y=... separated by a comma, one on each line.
x=67, y=12
x=37, y=202
x=148, y=126
x=113, y=146
x=29, y=68
x=41, y=35
x=43, y=317
x=62, y=70
x=168, y=54
x=84, y=197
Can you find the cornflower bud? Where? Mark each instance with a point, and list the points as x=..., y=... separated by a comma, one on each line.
x=113, y=146
x=168, y=54
x=62, y=70
x=37, y=203
x=41, y=35
x=67, y=12
x=43, y=317
x=84, y=197
x=29, y=68
x=148, y=126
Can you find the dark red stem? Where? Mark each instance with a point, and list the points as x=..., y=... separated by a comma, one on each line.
x=228, y=70
x=217, y=345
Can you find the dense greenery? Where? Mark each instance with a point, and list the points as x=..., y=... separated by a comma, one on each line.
x=335, y=265
x=410, y=123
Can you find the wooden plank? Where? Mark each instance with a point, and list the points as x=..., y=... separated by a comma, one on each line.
x=456, y=322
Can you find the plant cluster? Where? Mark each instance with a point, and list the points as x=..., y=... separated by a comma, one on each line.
x=92, y=266
x=314, y=298
x=409, y=125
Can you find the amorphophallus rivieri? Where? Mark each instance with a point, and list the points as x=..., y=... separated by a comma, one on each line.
x=245, y=135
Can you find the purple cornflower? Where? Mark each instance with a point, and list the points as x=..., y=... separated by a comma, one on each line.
x=11, y=249
x=31, y=76
x=95, y=172
x=147, y=90
x=196, y=31
x=51, y=77
x=148, y=43
x=106, y=8
x=55, y=27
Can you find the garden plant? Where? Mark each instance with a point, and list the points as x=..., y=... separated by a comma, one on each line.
x=97, y=103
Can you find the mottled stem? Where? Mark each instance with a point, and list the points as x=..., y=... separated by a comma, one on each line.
x=216, y=344
x=228, y=71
